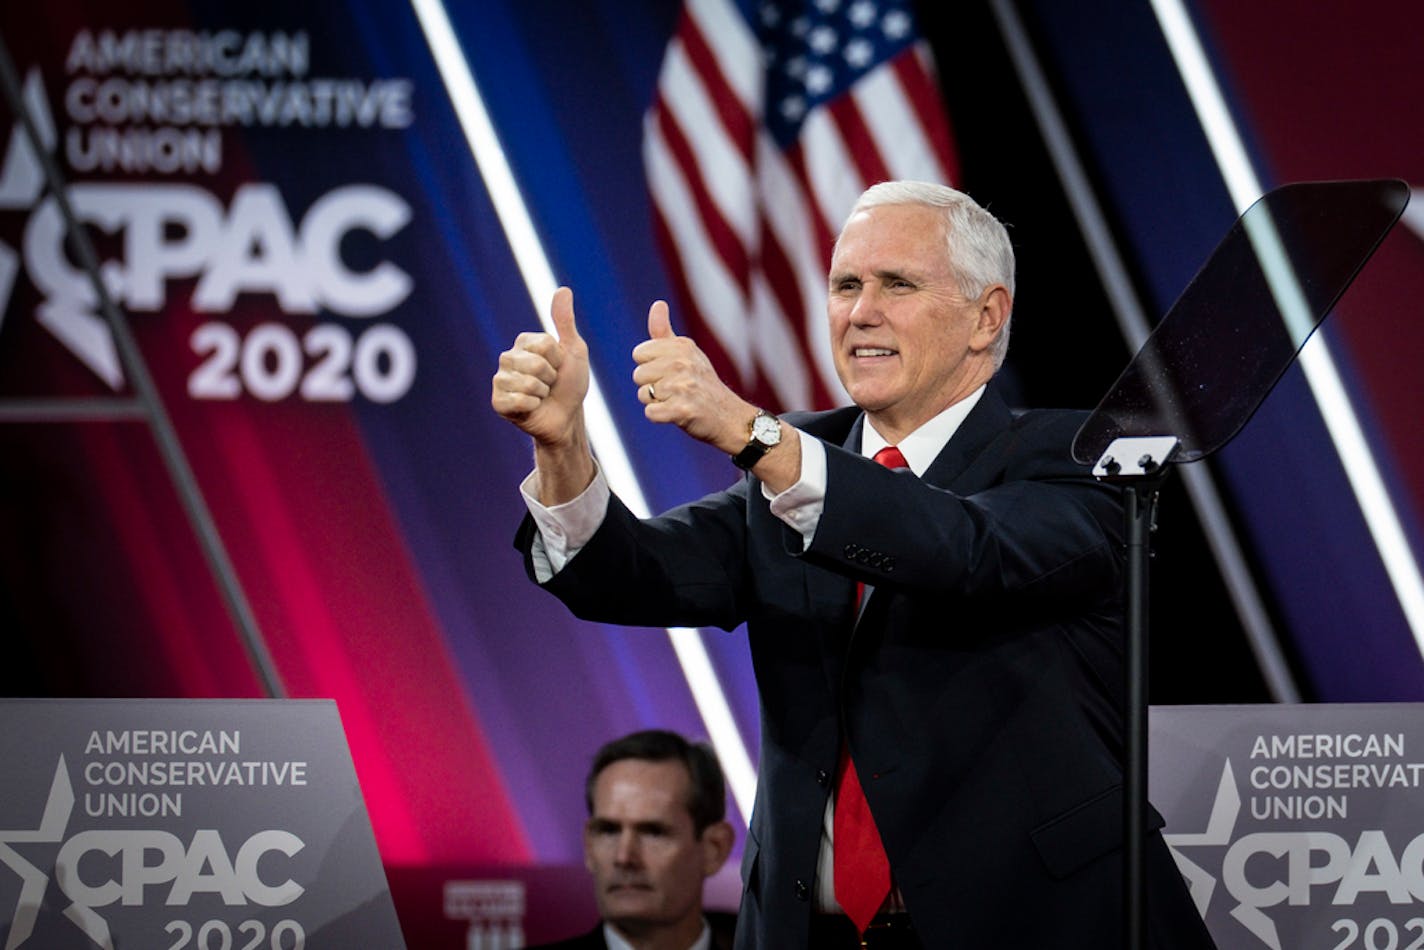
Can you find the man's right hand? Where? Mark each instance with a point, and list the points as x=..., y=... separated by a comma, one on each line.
x=542, y=379
x=540, y=387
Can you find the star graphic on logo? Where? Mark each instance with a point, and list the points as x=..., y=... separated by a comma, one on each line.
x=1220, y=826
x=22, y=182
x=52, y=825
x=21, y=177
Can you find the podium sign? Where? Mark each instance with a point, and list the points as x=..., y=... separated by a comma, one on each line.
x=1297, y=827
x=176, y=824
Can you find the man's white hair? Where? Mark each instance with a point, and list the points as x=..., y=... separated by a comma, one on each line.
x=980, y=254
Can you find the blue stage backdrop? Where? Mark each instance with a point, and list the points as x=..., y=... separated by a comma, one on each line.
x=319, y=275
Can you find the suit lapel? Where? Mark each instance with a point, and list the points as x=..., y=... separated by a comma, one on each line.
x=954, y=468
x=986, y=422
x=958, y=467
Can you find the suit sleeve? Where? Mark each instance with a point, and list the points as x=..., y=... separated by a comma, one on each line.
x=1035, y=522
x=683, y=568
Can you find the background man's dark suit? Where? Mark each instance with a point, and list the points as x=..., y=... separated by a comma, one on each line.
x=722, y=925
x=980, y=689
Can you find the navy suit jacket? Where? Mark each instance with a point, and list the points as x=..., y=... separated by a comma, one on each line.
x=980, y=692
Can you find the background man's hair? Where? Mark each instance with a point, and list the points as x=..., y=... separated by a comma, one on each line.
x=708, y=798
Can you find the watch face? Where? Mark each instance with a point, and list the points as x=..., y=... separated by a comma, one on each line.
x=767, y=430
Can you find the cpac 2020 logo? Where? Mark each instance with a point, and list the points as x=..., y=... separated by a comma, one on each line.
x=1269, y=873
x=203, y=865
x=171, y=231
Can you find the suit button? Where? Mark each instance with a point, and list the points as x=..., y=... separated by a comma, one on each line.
x=863, y=557
x=802, y=891
x=889, y=564
x=851, y=550
x=877, y=559
x=823, y=778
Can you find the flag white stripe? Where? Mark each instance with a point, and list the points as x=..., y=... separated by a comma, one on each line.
x=896, y=128
x=777, y=350
x=721, y=168
x=925, y=58
x=831, y=172
x=716, y=290
x=789, y=217
x=734, y=46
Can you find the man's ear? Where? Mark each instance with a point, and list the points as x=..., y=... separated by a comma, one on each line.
x=716, y=845
x=588, y=847
x=994, y=307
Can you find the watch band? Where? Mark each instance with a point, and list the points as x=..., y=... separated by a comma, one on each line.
x=750, y=455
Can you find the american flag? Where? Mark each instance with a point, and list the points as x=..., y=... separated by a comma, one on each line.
x=770, y=118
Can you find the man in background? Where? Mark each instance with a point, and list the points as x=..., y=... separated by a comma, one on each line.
x=656, y=831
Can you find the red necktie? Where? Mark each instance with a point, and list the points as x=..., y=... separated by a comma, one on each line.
x=862, y=871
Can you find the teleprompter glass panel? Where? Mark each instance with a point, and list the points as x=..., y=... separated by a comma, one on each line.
x=1235, y=329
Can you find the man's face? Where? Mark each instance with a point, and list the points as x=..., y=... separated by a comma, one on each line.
x=907, y=344
x=647, y=862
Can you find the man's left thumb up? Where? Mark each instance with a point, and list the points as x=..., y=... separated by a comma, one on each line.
x=659, y=323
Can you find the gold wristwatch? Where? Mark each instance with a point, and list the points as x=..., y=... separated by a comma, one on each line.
x=763, y=435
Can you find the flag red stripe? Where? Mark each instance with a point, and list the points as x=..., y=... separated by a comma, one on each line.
x=736, y=122
x=729, y=247
x=923, y=94
x=691, y=316
x=822, y=232
x=860, y=143
x=781, y=278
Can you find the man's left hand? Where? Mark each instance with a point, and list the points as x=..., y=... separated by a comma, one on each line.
x=677, y=383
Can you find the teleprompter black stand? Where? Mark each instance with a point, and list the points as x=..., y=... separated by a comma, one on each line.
x=1196, y=381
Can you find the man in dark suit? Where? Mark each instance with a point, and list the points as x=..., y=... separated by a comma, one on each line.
x=937, y=638
x=656, y=830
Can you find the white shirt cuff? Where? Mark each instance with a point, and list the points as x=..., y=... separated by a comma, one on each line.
x=563, y=529
x=800, y=506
